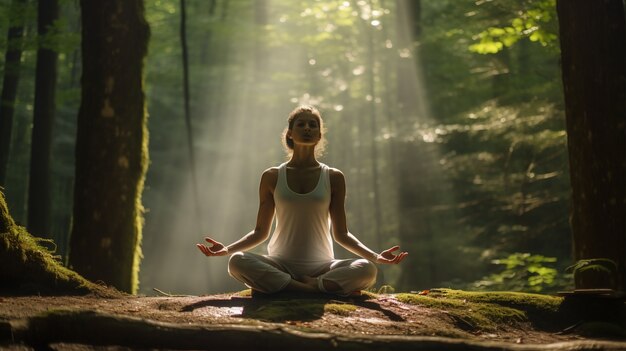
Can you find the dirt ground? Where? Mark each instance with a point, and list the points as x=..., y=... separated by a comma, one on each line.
x=380, y=315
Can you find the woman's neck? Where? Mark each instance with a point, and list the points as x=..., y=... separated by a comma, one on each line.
x=303, y=158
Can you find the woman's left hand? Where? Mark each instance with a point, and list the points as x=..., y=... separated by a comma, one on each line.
x=388, y=257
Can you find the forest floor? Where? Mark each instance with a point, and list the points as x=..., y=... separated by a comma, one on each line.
x=443, y=319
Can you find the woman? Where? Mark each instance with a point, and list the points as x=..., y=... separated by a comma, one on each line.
x=305, y=194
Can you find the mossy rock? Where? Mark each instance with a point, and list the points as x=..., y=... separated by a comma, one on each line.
x=29, y=268
x=340, y=309
x=486, y=310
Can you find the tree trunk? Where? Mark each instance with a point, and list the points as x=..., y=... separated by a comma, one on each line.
x=111, y=144
x=593, y=56
x=43, y=119
x=12, y=58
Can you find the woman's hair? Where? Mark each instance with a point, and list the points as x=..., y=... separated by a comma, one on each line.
x=297, y=112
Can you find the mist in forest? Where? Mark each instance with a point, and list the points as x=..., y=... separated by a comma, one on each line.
x=237, y=135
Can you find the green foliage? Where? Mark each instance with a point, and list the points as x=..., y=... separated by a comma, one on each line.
x=507, y=167
x=524, y=272
x=608, y=264
x=519, y=73
x=60, y=38
x=535, y=21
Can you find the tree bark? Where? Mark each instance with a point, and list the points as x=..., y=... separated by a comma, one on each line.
x=12, y=59
x=593, y=56
x=111, y=144
x=43, y=119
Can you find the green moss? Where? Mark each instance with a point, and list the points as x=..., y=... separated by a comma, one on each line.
x=6, y=221
x=524, y=301
x=343, y=309
x=485, y=310
x=543, y=311
x=468, y=315
x=244, y=293
x=367, y=295
x=28, y=267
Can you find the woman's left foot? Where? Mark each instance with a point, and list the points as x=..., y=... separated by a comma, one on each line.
x=308, y=280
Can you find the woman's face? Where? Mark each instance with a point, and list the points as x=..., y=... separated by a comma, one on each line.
x=305, y=130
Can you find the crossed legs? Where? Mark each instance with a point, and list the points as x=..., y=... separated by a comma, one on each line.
x=261, y=273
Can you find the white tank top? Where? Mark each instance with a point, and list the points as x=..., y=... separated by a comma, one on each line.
x=302, y=231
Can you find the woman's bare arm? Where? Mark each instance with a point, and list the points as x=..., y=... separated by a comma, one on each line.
x=340, y=227
x=261, y=231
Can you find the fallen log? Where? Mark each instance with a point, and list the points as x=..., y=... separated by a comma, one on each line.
x=102, y=329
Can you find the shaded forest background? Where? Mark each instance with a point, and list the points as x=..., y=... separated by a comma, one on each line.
x=446, y=117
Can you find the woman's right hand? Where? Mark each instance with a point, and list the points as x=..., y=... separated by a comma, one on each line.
x=216, y=249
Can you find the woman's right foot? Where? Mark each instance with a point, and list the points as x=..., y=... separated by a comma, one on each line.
x=308, y=280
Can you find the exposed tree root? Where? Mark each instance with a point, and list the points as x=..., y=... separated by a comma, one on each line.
x=29, y=268
x=96, y=328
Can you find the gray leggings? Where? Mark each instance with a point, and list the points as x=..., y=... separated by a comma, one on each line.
x=270, y=274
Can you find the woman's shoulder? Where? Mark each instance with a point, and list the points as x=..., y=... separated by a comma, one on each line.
x=335, y=174
x=332, y=170
x=269, y=178
x=271, y=172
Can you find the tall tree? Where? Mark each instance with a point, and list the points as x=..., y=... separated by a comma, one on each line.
x=593, y=55
x=12, y=58
x=111, y=144
x=43, y=119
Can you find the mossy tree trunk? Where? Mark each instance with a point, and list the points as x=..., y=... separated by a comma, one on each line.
x=593, y=34
x=43, y=119
x=111, y=144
